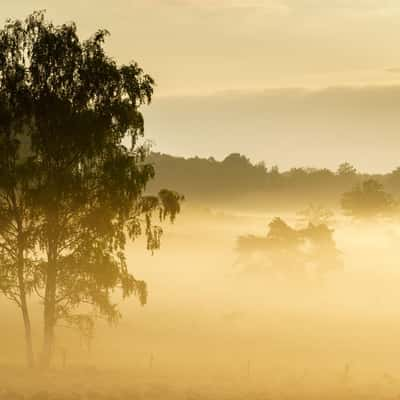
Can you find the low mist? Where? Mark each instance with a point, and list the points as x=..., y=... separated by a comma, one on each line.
x=217, y=327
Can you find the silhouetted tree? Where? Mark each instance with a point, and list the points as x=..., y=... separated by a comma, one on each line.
x=18, y=225
x=290, y=252
x=89, y=188
x=18, y=220
x=366, y=200
x=346, y=169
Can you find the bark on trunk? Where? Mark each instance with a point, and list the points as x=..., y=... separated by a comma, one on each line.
x=30, y=358
x=49, y=314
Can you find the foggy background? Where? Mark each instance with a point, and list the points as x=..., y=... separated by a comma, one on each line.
x=290, y=82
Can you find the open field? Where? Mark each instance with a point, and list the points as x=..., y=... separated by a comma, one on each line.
x=212, y=329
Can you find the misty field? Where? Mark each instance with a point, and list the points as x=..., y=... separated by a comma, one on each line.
x=214, y=329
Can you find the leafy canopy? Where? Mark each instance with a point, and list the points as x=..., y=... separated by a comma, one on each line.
x=68, y=108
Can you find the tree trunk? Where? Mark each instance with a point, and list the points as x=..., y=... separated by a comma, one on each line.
x=49, y=311
x=49, y=314
x=30, y=358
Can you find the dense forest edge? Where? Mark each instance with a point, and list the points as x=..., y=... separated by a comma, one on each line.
x=239, y=183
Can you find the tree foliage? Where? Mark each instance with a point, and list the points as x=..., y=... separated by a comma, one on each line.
x=316, y=214
x=346, y=170
x=73, y=108
x=366, y=200
x=290, y=253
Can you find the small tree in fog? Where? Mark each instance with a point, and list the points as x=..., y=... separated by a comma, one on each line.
x=316, y=214
x=367, y=200
x=290, y=252
x=88, y=188
x=346, y=170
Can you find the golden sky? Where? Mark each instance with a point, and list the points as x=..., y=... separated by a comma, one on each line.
x=201, y=47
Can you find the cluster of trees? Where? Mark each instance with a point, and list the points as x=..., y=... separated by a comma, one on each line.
x=236, y=179
x=71, y=193
x=290, y=252
x=368, y=199
x=208, y=178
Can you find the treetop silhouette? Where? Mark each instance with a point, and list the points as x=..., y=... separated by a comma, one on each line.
x=67, y=109
x=367, y=199
x=290, y=252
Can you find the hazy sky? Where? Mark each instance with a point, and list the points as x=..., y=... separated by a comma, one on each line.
x=200, y=47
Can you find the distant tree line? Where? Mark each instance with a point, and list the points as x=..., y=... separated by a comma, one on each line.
x=238, y=181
